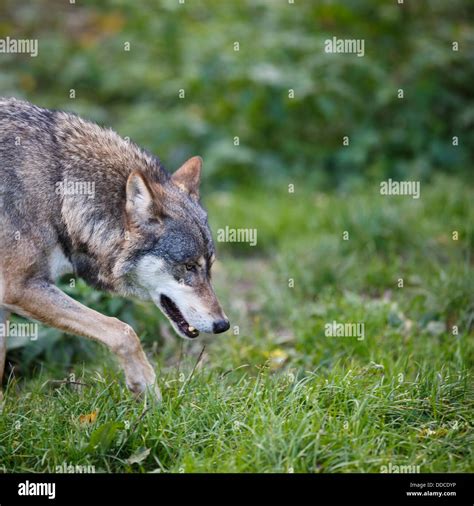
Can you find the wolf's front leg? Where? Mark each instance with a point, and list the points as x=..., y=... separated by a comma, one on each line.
x=45, y=302
x=3, y=344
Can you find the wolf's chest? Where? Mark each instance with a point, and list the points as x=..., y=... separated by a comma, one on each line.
x=59, y=264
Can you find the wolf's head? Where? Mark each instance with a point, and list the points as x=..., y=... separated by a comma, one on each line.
x=170, y=250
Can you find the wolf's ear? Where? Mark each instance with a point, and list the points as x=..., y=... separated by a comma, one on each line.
x=141, y=205
x=188, y=176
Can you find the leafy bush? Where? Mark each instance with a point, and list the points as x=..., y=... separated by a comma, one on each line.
x=245, y=93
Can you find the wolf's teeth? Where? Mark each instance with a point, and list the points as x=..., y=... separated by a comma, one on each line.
x=191, y=329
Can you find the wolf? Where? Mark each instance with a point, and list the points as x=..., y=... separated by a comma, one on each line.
x=78, y=198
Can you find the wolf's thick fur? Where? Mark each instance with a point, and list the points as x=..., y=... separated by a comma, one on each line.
x=127, y=226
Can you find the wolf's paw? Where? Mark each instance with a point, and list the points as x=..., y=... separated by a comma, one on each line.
x=144, y=385
x=142, y=390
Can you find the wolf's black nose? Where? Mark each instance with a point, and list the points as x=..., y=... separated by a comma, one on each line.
x=220, y=326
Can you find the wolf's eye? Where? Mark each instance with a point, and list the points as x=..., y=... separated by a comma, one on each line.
x=191, y=267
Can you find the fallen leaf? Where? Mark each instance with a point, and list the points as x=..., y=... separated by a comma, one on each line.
x=277, y=358
x=139, y=456
x=427, y=432
x=89, y=418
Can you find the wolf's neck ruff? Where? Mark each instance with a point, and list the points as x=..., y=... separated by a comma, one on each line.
x=100, y=157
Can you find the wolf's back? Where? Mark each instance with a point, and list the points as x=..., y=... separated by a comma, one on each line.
x=22, y=121
x=41, y=148
x=26, y=136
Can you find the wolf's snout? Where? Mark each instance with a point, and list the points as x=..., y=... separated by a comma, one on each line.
x=220, y=326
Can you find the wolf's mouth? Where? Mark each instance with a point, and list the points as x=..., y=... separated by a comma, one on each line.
x=175, y=314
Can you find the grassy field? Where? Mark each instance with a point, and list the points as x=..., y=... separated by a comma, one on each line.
x=277, y=394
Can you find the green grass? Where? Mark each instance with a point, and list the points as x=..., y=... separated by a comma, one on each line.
x=277, y=394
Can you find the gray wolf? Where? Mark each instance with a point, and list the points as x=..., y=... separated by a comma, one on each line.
x=78, y=198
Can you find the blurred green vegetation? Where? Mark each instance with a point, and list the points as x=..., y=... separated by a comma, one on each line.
x=245, y=93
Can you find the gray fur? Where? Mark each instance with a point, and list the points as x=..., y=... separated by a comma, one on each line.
x=137, y=211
